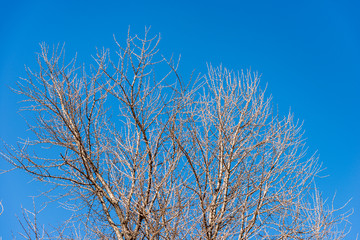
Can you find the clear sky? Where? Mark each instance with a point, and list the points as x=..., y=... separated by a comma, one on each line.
x=308, y=53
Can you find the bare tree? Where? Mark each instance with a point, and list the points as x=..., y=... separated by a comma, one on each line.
x=30, y=224
x=142, y=153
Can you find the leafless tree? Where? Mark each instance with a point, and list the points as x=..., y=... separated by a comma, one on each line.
x=30, y=225
x=142, y=153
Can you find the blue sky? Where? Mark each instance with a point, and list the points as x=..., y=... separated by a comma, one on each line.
x=308, y=53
